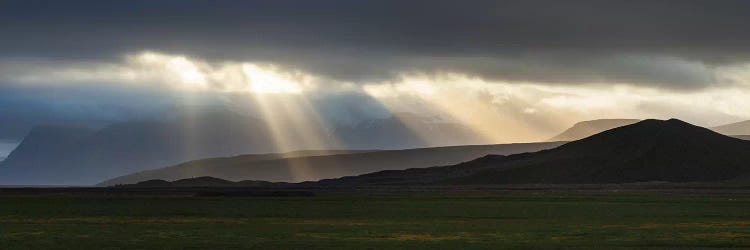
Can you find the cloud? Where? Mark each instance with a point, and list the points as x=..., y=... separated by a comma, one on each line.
x=151, y=69
x=530, y=67
x=536, y=106
x=665, y=44
x=533, y=110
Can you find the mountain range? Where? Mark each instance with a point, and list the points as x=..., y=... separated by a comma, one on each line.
x=72, y=155
x=737, y=128
x=585, y=129
x=646, y=151
x=65, y=155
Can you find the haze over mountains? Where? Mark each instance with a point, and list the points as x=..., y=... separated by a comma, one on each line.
x=650, y=150
x=405, y=130
x=66, y=155
x=585, y=129
x=738, y=128
x=73, y=155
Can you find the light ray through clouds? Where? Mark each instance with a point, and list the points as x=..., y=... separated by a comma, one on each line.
x=292, y=123
x=477, y=105
x=498, y=111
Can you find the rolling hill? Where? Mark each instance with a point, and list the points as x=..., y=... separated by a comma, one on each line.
x=311, y=168
x=202, y=167
x=202, y=181
x=647, y=151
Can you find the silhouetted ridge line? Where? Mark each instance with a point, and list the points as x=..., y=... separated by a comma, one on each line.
x=202, y=181
x=650, y=150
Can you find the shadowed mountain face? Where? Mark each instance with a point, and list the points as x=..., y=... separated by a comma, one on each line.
x=74, y=156
x=56, y=142
x=738, y=128
x=310, y=168
x=588, y=128
x=650, y=150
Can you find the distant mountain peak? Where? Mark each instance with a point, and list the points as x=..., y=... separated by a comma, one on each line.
x=737, y=128
x=585, y=129
x=650, y=150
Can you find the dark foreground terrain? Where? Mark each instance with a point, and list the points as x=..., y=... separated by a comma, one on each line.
x=427, y=218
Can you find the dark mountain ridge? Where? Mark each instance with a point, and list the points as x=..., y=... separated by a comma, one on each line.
x=650, y=150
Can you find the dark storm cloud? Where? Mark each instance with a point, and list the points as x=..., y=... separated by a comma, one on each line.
x=669, y=44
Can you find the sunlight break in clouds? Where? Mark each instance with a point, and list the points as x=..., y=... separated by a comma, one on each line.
x=164, y=70
x=223, y=77
x=500, y=111
x=508, y=112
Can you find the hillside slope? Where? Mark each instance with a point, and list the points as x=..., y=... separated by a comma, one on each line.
x=203, y=167
x=312, y=168
x=651, y=150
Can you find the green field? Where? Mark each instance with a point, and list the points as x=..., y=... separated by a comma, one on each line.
x=414, y=220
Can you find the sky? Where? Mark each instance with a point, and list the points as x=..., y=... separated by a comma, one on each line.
x=511, y=70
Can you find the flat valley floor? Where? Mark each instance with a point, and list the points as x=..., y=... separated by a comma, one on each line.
x=603, y=219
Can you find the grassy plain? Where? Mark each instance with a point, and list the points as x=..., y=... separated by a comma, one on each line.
x=448, y=220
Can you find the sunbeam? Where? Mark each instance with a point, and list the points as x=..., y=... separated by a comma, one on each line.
x=470, y=102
